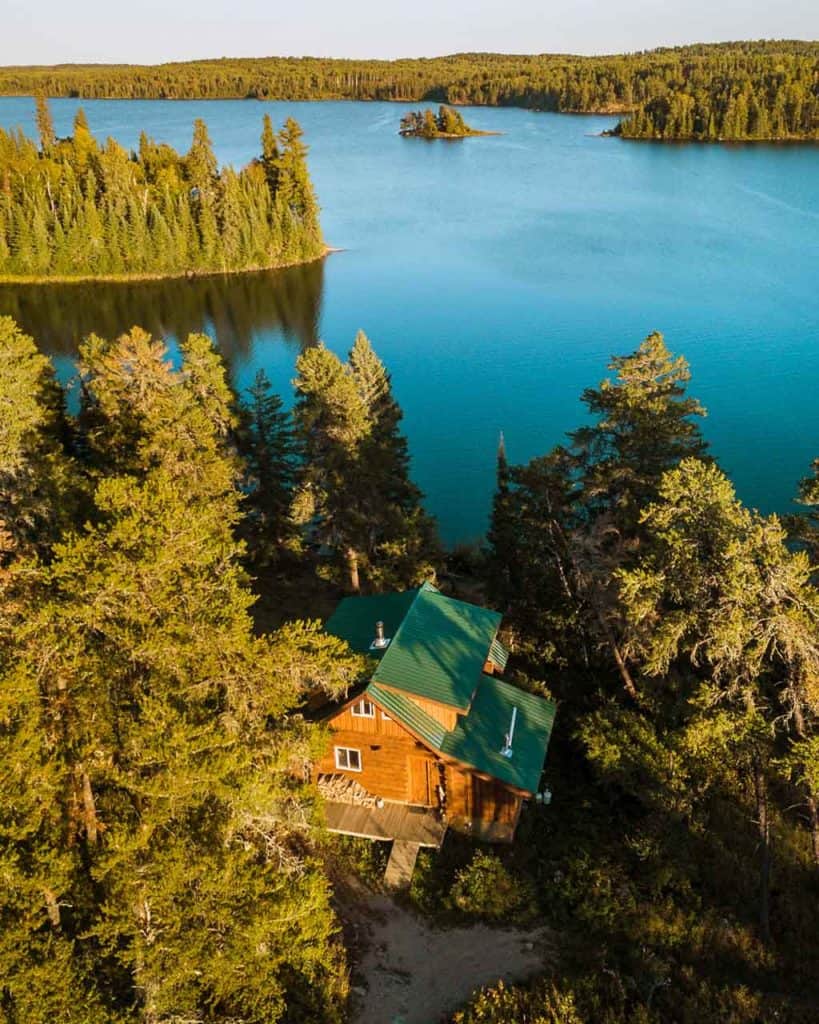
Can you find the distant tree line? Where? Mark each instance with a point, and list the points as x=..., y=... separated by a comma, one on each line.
x=732, y=91
x=75, y=208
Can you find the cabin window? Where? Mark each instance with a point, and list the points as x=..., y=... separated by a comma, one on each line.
x=348, y=758
x=363, y=709
x=385, y=716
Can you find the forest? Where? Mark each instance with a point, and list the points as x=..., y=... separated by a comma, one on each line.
x=167, y=549
x=72, y=208
x=740, y=91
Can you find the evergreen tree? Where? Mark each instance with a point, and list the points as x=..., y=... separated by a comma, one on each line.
x=806, y=527
x=79, y=210
x=718, y=586
x=270, y=453
x=38, y=485
x=402, y=547
x=356, y=488
x=578, y=509
x=201, y=166
x=332, y=421
x=270, y=154
x=644, y=426
x=176, y=818
x=45, y=123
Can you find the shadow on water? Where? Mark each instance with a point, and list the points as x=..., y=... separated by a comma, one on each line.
x=233, y=309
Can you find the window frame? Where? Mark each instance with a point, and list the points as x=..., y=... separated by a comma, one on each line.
x=359, y=704
x=337, y=751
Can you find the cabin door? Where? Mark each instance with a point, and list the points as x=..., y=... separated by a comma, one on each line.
x=420, y=781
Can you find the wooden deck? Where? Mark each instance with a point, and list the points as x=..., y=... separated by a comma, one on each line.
x=392, y=821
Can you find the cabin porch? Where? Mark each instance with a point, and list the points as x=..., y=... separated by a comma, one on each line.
x=418, y=825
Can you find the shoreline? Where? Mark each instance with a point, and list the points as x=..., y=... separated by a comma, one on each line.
x=688, y=140
x=182, y=275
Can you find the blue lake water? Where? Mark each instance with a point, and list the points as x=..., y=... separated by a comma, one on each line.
x=496, y=276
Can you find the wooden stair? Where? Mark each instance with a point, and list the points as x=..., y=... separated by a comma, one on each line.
x=401, y=864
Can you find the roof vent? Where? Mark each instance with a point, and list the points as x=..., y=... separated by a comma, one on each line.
x=506, y=751
x=380, y=641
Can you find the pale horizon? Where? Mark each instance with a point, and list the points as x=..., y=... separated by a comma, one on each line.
x=89, y=32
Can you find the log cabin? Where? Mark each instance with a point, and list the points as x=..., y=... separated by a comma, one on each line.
x=435, y=738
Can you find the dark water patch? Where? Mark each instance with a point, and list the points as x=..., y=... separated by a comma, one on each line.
x=234, y=309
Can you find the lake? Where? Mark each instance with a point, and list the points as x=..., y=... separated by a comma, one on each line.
x=496, y=276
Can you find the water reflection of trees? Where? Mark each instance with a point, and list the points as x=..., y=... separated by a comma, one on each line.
x=233, y=309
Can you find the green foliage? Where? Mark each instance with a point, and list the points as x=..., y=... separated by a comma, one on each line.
x=362, y=857
x=545, y=1004
x=74, y=208
x=355, y=495
x=425, y=124
x=806, y=527
x=679, y=856
x=270, y=451
x=485, y=889
x=732, y=91
x=565, y=523
x=38, y=483
x=156, y=855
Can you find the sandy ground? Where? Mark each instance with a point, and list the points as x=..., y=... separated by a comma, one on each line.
x=410, y=973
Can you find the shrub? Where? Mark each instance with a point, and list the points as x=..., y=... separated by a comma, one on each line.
x=486, y=889
x=545, y=1004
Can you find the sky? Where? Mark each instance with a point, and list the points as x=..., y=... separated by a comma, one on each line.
x=153, y=31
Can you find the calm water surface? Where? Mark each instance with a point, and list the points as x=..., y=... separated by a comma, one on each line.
x=496, y=276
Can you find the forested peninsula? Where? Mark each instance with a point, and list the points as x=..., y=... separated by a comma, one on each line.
x=737, y=91
x=74, y=209
x=167, y=548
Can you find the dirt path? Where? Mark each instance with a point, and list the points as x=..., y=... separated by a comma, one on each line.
x=410, y=973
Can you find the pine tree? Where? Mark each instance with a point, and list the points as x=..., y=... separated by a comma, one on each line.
x=295, y=195
x=718, y=586
x=270, y=155
x=332, y=421
x=270, y=452
x=644, y=426
x=501, y=537
x=38, y=485
x=356, y=491
x=43, y=975
x=171, y=756
x=201, y=167
x=45, y=123
x=806, y=527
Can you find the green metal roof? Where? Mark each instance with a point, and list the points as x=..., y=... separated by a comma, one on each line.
x=478, y=738
x=355, y=617
x=406, y=711
x=440, y=648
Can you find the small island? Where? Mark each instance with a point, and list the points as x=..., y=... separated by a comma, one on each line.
x=447, y=124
